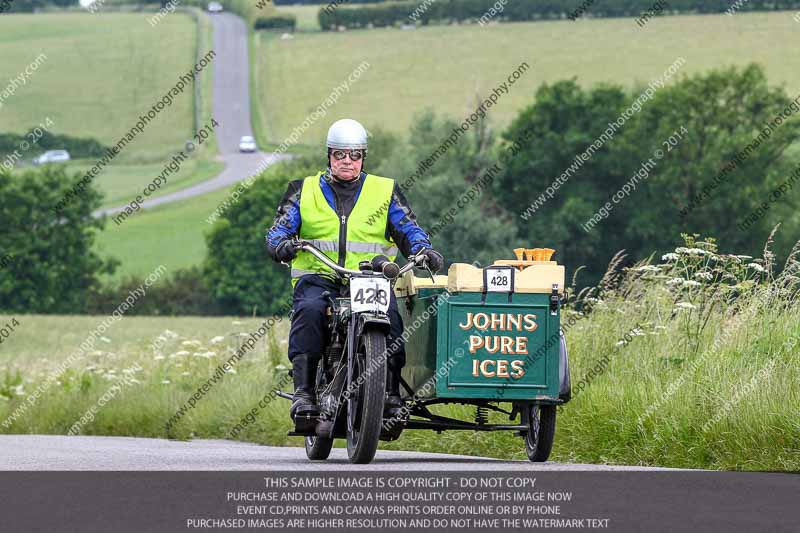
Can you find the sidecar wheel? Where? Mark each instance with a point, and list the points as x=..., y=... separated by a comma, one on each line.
x=541, y=422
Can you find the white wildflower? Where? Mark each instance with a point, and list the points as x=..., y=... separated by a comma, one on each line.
x=181, y=353
x=186, y=373
x=648, y=268
x=166, y=382
x=745, y=257
x=170, y=334
x=675, y=281
x=192, y=343
x=685, y=305
x=669, y=257
x=158, y=358
x=704, y=275
x=691, y=251
x=217, y=339
x=691, y=283
x=756, y=267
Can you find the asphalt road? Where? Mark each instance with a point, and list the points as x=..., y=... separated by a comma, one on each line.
x=52, y=452
x=231, y=109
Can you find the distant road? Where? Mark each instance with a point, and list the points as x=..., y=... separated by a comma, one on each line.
x=231, y=108
x=52, y=452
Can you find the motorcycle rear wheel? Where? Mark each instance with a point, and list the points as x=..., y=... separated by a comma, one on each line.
x=318, y=448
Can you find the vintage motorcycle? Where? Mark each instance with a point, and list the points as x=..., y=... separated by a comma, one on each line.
x=351, y=377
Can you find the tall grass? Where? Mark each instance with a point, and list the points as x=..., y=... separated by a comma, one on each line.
x=690, y=362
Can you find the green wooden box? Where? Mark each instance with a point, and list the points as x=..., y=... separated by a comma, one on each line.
x=456, y=342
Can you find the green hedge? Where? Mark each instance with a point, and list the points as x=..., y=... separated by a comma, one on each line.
x=76, y=146
x=279, y=22
x=183, y=293
x=395, y=13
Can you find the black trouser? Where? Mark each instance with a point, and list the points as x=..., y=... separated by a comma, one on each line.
x=309, y=331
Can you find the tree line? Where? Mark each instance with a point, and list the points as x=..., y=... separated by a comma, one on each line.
x=445, y=11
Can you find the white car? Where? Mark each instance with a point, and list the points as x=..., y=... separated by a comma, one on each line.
x=52, y=156
x=247, y=144
x=214, y=7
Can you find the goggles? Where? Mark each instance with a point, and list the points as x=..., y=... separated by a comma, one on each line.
x=355, y=155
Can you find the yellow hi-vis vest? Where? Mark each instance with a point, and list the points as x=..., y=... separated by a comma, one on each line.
x=362, y=233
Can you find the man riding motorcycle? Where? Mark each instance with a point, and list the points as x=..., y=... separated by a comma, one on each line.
x=354, y=216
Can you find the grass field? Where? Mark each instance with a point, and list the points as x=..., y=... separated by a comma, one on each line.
x=172, y=235
x=101, y=72
x=442, y=67
x=672, y=392
x=306, y=15
x=121, y=183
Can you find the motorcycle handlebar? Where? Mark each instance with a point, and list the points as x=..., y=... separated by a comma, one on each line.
x=387, y=268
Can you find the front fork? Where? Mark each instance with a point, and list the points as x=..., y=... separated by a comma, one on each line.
x=355, y=328
x=345, y=390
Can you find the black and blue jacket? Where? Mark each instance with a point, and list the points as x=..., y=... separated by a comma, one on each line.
x=401, y=224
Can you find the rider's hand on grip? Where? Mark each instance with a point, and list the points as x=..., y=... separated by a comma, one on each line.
x=434, y=259
x=286, y=250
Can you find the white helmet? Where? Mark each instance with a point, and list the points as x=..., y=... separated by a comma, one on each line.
x=347, y=133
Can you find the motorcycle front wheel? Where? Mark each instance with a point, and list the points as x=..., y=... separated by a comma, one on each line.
x=365, y=404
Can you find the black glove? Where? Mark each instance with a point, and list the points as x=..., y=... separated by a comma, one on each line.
x=435, y=259
x=286, y=251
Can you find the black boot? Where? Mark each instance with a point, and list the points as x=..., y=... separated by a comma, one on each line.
x=304, y=372
x=393, y=405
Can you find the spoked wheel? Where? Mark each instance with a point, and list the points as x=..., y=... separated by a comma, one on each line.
x=319, y=448
x=541, y=422
x=365, y=404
